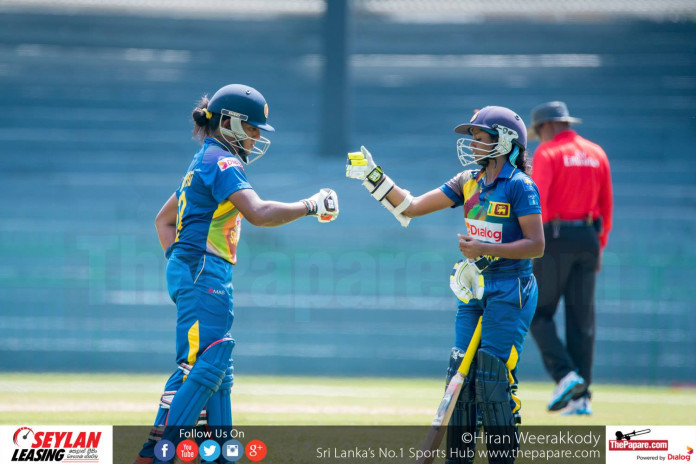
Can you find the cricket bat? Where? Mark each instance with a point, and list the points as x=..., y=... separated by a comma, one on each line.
x=444, y=411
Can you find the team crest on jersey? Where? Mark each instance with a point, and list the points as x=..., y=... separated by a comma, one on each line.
x=225, y=163
x=498, y=209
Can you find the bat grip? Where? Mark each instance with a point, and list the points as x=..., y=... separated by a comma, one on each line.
x=471, y=349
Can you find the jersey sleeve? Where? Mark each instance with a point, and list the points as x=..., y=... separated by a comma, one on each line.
x=453, y=188
x=229, y=178
x=524, y=196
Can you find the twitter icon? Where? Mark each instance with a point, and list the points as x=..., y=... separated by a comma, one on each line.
x=209, y=450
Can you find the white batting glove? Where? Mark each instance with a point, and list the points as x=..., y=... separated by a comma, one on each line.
x=466, y=281
x=323, y=205
x=360, y=165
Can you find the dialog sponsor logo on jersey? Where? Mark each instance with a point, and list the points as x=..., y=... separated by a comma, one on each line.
x=230, y=161
x=498, y=209
x=485, y=231
x=56, y=444
x=630, y=444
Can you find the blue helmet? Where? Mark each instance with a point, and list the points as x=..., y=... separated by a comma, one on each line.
x=496, y=120
x=242, y=103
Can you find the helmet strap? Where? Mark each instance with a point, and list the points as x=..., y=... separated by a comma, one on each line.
x=513, y=156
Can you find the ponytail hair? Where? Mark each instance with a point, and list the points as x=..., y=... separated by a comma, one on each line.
x=205, y=122
x=522, y=163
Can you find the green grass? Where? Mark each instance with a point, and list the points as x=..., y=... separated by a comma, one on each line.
x=132, y=399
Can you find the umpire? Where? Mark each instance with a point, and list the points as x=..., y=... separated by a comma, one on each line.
x=574, y=183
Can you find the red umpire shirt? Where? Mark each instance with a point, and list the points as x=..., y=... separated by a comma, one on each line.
x=574, y=181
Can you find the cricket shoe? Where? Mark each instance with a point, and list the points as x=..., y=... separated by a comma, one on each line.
x=568, y=387
x=578, y=407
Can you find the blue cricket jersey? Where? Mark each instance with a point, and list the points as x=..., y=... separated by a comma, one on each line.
x=491, y=211
x=206, y=220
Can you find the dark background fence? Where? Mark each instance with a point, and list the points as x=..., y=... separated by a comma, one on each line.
x=95, y=135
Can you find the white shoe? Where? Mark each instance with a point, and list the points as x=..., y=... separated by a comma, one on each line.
x=580, y=407
x=569, y=386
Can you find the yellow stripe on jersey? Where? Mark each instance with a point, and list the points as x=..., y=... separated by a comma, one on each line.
x=193, y=341
x=469, y=189
x=224, y=231
x=511, y=363
x=223, y=208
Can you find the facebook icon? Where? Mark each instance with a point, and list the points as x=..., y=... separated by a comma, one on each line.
x=164, y=450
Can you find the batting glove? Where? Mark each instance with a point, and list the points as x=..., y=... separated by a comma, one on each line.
x=360, y=165
x=323, y=205
x=466, y=281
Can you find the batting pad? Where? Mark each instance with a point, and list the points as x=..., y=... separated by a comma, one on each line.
x=205, y=378
x=219, y=405
x=493, y=397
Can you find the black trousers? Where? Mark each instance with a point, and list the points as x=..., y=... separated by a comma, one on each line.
x=567, y=269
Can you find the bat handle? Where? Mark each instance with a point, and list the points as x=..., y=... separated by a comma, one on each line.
x=470, y=352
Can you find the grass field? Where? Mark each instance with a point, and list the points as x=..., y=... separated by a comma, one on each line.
x=131, y=399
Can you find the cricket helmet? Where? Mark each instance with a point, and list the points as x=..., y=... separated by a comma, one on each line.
x=241, y=103
x=498, y=121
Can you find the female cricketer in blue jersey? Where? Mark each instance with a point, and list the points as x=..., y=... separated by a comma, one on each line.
x=494, y=283
x=199, y=228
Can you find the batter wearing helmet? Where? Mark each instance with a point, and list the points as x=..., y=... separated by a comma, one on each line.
x=199, y=227
x=494, y=283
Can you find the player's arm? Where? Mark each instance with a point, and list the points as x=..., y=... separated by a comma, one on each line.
x=531, y=245
x=165, y=222
x=265, y=213
x=395, y=199
x=421, y=205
